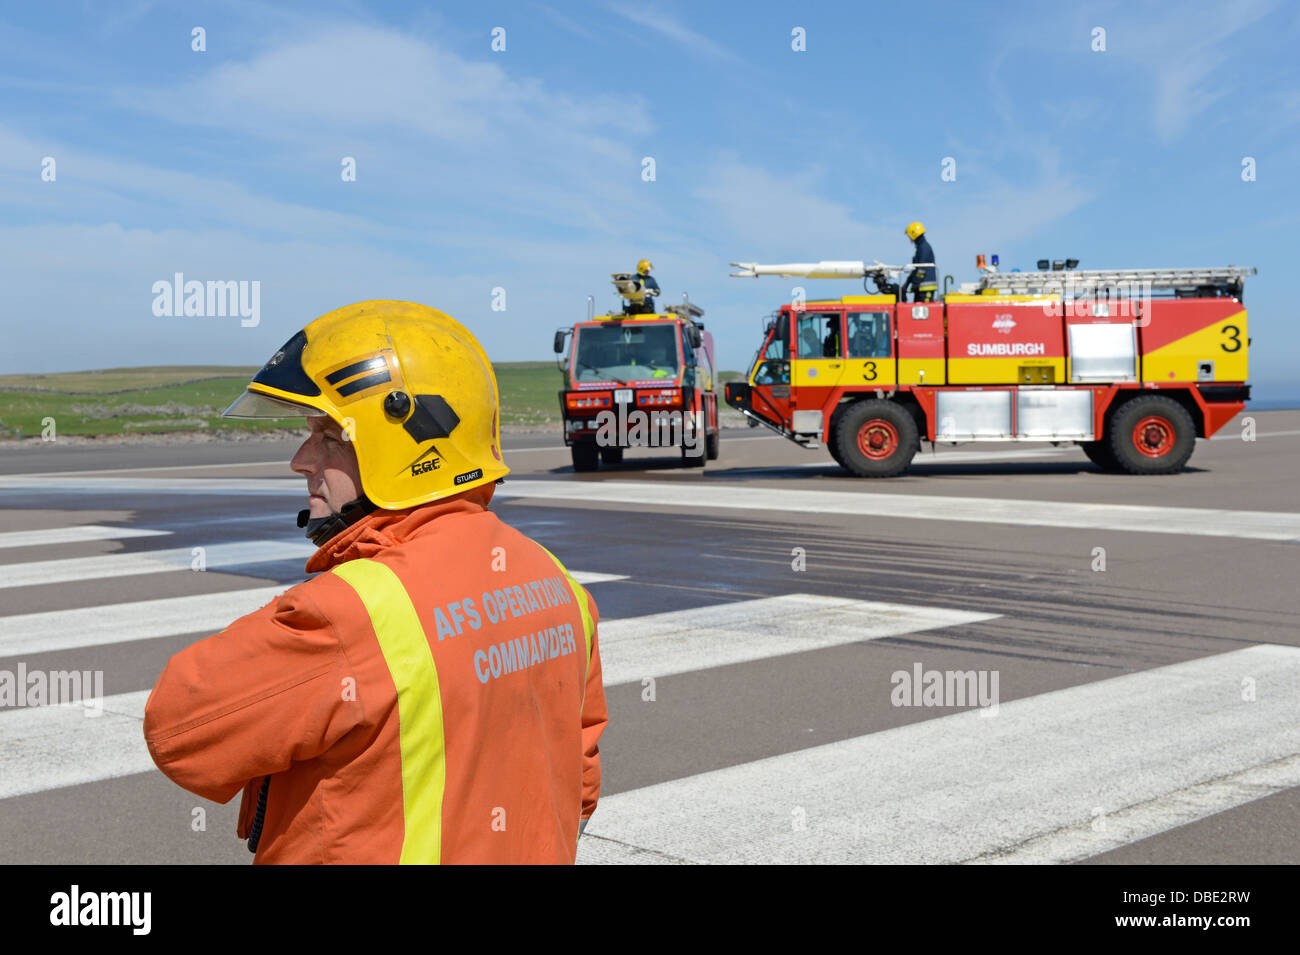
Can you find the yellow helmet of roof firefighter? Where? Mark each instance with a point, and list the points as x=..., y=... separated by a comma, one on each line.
x=644, y=267
x=409, y=384
x=914, y=230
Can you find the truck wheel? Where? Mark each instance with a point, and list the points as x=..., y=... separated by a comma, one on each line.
x=611, y=455
x=585, y=456
x=876, y=438
x=1100, y=454
x=832, y=444
x=711, y=443
x=1151, y=435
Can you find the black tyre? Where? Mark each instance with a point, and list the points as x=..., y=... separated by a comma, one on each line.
x=1151, y=435
x=1100, y=454
x=876, y=438
x=695, y=460
x=585, y=456
x=832, y=444
x=611, y=455
x=711, y=443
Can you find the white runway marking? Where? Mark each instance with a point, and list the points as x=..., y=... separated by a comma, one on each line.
x=1149, y=519
x=218, y=557
x=1158, y=815
x=1196, y=521
x=51, y=746
x=681, y=641
x=30, y=633
x=586, y=577
x=288, y=487
x=77, y=534
x=1051, y=778
x=1258, y=434
x=48, y=747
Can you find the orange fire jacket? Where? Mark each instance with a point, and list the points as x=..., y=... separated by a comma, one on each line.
x=433, y=696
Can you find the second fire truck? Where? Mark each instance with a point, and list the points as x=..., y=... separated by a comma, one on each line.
x=1133, y=365
x=639, y=379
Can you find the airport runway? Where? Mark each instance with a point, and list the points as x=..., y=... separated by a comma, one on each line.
x=757, y=618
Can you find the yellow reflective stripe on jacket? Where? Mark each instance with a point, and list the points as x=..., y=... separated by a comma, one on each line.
x=580, y=595
x=419, y=704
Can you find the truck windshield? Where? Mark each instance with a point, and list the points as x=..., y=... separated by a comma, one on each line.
x=627, y=351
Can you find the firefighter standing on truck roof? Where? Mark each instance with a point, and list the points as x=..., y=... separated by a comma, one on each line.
x=925, y=280
x=434, y=694
x=649, y=287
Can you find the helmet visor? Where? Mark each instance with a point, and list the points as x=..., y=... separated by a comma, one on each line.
x=253, y=405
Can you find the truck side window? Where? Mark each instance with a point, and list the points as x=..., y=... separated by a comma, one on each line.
x=819, y=335
x=868, y=334
x=773, y=372
x=779, y=347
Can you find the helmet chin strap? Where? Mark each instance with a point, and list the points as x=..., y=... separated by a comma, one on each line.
x=321, y=529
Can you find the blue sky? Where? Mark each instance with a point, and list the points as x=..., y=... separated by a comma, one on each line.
x=522, y=169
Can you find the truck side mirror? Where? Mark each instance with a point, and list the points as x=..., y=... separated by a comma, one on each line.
x=696, y=337
x=559, y=342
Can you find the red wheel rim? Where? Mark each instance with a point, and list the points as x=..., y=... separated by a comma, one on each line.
x=877, y=439
x=1153, y=436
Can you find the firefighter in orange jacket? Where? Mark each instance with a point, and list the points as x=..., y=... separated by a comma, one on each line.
x=434, y=694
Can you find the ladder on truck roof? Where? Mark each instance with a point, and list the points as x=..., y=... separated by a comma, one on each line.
x=1228, y=280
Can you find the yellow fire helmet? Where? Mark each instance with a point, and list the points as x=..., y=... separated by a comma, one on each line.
x=412, y=386
x=914, y=230
x=644, y=267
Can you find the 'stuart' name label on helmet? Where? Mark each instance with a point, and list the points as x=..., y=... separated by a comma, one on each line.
x=424, y=467
x=469, y=476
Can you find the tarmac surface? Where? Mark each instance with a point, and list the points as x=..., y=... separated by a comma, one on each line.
x=1136, y=638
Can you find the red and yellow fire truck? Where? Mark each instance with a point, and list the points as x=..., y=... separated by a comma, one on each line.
x=639, y=380
x=1132, y=365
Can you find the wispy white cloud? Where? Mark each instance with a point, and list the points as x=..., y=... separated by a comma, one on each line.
x=660, y=22
x=109, y=189
x=1183, y=55
x=757, y=213
x=460, y=128
x=567, y=22
x=351, y=78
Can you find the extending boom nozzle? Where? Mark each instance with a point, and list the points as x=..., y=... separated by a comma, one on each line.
x=805, y=270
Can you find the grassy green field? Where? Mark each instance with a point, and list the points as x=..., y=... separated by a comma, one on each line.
x=192, y=397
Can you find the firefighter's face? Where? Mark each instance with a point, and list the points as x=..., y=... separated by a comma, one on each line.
x=329, y=463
